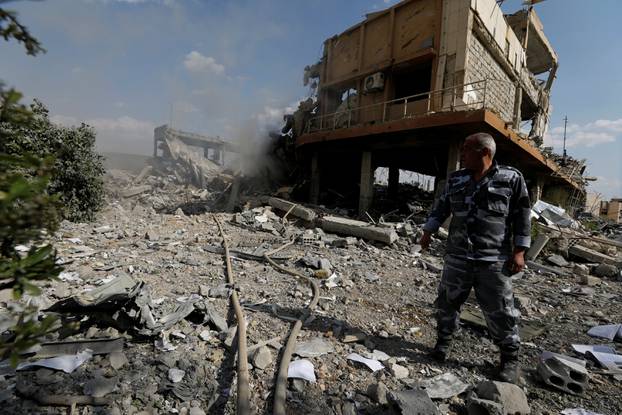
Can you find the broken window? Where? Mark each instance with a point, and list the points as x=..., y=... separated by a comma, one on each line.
x=417, y=79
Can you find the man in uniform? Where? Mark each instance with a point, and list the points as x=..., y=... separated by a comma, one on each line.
x=488, y=235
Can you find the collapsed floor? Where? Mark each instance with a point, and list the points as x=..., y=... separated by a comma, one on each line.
x=176, y=352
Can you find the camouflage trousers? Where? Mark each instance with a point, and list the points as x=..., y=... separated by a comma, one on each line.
x=493, y=289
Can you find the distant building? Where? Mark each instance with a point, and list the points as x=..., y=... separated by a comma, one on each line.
x=611, y=210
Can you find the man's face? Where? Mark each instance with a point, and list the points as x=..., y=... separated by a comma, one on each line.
x=471, y=157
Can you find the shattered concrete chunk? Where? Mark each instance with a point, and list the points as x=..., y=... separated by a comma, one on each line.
x=477, y=406
x=444, y=386
x=414, y=402
x=117, y=360
x=100, y=386
x=558, y=260
x=315, y=347
x=378, y=392
x=398, y=371
x=510, y=396
x=607, y=271
x=262, y=358
x=135, y=191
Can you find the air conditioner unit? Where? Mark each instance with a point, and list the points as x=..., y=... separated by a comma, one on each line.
x=374, y=83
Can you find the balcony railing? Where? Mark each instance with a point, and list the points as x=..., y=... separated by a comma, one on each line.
x=491, y=94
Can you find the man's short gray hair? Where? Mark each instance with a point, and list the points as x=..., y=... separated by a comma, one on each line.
x=484, y=140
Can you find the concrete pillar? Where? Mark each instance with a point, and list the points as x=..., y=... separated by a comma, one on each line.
x=518, y=100
x=366, y=193
x=217, y=156
x=536, y=190
x=453, y=156
x=314, y=191
x=155, y=148
x=394, y=181
x=233, y=196
x=536, y=247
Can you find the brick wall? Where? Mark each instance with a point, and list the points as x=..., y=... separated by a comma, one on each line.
x=482, y=66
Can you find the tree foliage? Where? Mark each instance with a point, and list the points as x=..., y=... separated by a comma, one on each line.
x=77, y=174
x=28, y=213
x=11, y=28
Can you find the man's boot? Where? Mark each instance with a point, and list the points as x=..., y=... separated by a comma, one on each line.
x=441, y=350
x=509, y=370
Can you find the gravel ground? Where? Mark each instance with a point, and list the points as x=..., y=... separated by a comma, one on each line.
x=384, y=295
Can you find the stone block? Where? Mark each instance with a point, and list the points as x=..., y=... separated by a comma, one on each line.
x=476, y=406
x=607, y=271
x=414, y=402
x=509, y=396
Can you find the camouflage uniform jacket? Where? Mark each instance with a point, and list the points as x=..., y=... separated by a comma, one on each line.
x=485, y=214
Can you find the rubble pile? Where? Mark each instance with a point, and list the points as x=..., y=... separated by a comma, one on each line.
x=166, y=185
x=147, y=326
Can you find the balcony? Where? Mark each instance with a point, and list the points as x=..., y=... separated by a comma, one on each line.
x=491, y=94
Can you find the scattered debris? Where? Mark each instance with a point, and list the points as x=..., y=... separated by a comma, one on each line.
x=610, y=332
x=444, y=386
x=414, y=402
x=66, y=363
x=372, y=364
x=314, y=348
x=509, y=396
x=359, y=229
x=301, y=369
x=563, y=372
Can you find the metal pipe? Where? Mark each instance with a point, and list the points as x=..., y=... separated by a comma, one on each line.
x=244, y=393
x=280, y=391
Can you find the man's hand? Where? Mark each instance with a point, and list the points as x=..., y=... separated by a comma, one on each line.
x=425, y=240
x=517, y=263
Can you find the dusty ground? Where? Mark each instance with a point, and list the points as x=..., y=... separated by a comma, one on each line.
x=394, y=311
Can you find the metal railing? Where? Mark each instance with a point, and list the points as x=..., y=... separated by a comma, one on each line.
x=470, y=96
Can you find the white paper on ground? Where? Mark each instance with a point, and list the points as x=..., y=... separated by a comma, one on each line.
x=332, y=281
x=301, y=369
x=374, y=365
x=66, y=363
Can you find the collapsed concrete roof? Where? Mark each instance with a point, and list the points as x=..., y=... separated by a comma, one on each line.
x=541, y=56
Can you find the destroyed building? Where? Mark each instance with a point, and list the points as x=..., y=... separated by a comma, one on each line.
x=611, y=209
x=402, y=89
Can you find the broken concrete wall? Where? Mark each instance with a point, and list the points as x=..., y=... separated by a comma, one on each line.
x=201, y=170
x=493, y=20
x=455, y=28
x=500, y=90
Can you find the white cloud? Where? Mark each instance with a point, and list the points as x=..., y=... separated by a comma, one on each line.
x=196, y=62
x=123, y=134
x=586, y=135
x=185, y=107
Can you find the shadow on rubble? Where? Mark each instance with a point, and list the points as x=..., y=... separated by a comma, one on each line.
x=392, y=345
x=226, y=373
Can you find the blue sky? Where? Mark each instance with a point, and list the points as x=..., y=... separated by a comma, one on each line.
x=228, y=67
